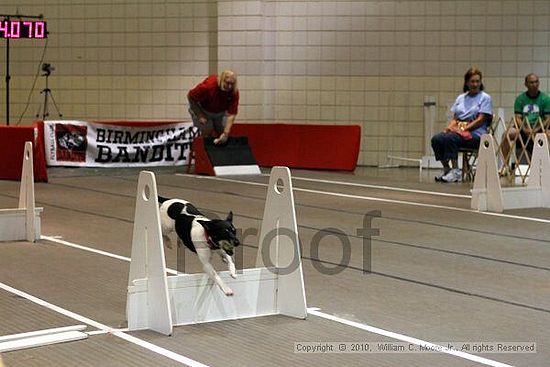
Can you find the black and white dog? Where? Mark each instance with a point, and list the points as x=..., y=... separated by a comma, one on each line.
x=201, y=235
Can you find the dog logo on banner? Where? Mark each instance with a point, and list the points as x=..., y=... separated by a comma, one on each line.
x=71, y=142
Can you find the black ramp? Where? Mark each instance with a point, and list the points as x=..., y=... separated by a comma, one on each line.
x=235, y=152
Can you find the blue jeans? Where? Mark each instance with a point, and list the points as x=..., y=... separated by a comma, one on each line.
x=446, y=145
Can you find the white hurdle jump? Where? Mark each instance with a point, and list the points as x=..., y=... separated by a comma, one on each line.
x=159, y=302
x=22, y=223
x=489, y=195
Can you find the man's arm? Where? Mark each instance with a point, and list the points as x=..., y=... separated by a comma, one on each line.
x=519, y=120
x=518, y=114
x=540, y=125
x=229, y=123
x=227, y=129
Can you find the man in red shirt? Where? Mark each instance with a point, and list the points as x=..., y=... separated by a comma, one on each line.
x=214, y=103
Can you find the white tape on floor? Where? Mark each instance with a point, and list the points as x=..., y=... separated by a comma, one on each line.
x=390, y=334
x=57, y=239
x=380, y=187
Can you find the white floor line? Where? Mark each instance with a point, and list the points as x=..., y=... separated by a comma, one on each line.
x=154, y=348
x=371, y=198
x=436, y=193
x=57, y=239
x=109, y=331
x=488, y=362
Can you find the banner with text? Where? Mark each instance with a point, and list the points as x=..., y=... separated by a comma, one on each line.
x=88, y=144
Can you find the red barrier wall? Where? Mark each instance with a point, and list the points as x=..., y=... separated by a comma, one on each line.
x=148, y=123
x=12, y=145
x=333, y=147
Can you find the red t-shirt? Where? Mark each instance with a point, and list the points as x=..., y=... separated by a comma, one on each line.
x=212, y=98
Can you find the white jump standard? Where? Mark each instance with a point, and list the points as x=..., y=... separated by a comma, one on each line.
x=159, y=302
x=22, y=223
x=488, y=194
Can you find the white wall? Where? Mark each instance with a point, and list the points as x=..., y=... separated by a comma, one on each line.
x=345, y=62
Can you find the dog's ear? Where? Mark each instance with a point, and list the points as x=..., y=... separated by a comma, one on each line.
x=229, y=217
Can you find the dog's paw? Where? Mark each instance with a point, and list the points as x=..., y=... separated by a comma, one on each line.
x=228, y=292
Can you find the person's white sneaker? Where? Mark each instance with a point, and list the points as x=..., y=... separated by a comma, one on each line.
x=458, y=175
x=439, y=177
x=454, y=175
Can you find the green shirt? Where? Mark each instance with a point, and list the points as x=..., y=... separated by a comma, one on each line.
x=532, y=108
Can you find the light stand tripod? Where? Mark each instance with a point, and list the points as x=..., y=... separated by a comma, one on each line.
x=47, y=69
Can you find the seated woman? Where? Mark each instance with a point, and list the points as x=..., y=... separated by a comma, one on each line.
x=472, y=112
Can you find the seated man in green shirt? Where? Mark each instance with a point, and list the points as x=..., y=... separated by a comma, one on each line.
x=529, y=106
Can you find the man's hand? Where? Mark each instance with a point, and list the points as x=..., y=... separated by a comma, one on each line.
x=527, y=129
x=221, y=139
